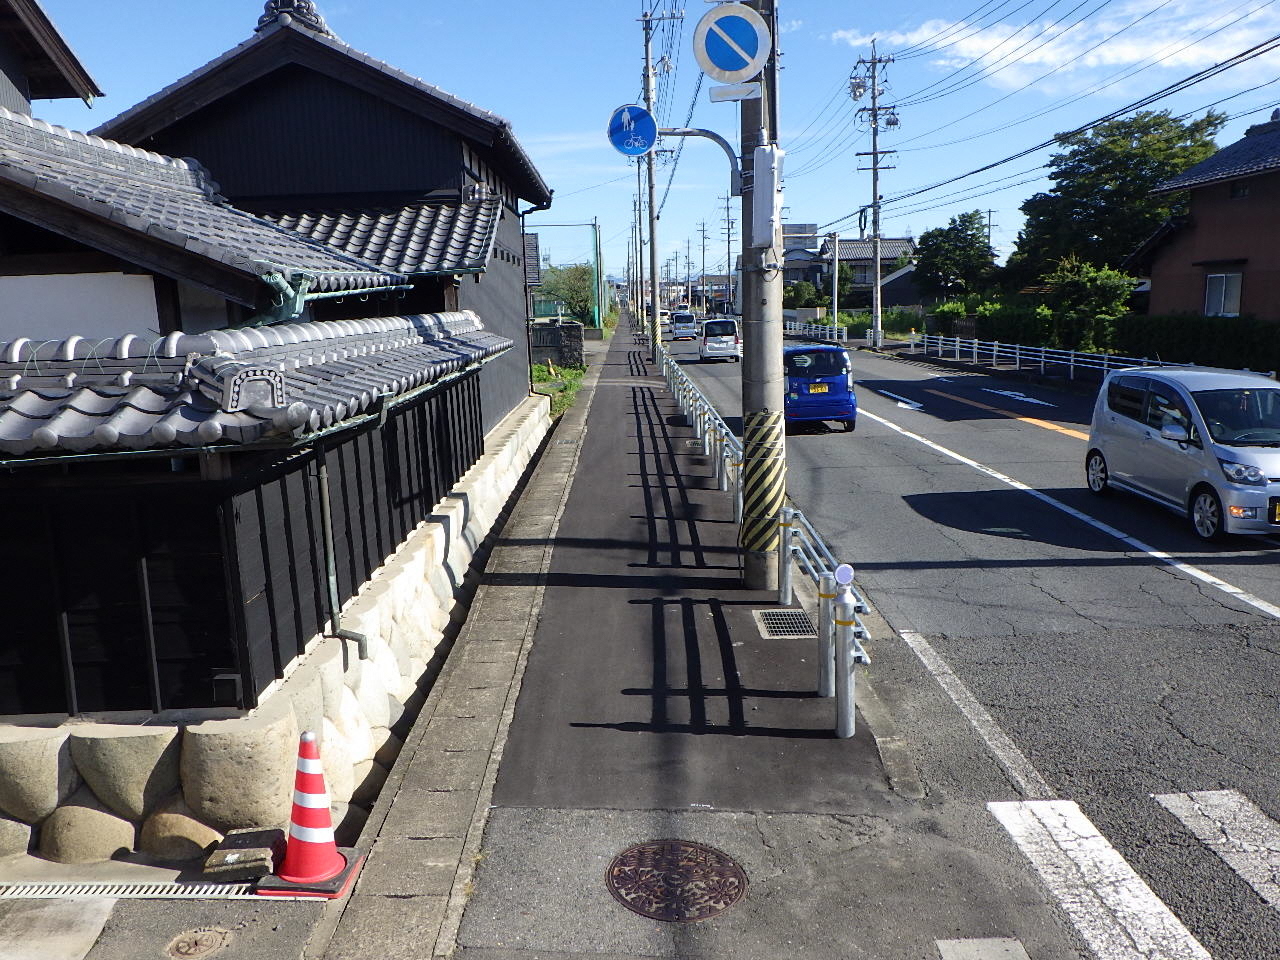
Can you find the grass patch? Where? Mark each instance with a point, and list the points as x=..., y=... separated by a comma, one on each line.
x=561, y=384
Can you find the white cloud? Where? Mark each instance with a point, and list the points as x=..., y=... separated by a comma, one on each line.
x=791, y=26
x=1184, y=35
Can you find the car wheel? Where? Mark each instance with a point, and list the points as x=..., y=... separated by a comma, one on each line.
x=849, y=425
x=1095, y=473
x=1206, y=514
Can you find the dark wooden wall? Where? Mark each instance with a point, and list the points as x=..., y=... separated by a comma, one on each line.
x=383, y=482
x=13, y=81
x=297, y=133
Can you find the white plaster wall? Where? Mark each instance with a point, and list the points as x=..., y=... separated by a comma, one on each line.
x=90, y=305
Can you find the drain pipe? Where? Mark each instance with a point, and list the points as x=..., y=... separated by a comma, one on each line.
x=331, y=562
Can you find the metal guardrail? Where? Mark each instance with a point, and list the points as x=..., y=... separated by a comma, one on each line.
x=1025, y=358
x=840, y=631
x=817, y=331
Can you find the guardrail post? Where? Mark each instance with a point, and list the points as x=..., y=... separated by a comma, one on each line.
x=786, y=521
x=722, y=461
x=827, y=636
x=957, y=347
x=1017, y=356
x=1042, y=361
x=1071, y=364
x=975, y=350
x=737, y=492
x=845, y=626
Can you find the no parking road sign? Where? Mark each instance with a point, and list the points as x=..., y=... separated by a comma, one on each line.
x=632, y=130
x=732, y=43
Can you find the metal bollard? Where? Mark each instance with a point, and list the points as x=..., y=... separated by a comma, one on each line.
x=846, y=626
x=827, y=636
x=785, y=520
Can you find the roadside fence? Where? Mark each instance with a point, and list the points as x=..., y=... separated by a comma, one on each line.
x=1045, y=359
x=816, y=331
x=840, y=631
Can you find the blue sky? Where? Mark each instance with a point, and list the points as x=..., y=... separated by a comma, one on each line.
x=975, y=82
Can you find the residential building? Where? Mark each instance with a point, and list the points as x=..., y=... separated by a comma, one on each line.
x=1223, y=257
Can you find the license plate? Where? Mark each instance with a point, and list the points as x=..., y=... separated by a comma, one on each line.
x=818, y=388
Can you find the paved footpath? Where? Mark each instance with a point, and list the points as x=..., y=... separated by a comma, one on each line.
x=612, y=688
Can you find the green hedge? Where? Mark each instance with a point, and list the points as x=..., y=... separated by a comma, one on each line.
x=1231, y=342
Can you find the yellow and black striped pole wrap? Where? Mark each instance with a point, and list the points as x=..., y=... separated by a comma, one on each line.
x=764, y=480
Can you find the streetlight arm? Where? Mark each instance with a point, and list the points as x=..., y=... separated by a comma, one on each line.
x=735, y=176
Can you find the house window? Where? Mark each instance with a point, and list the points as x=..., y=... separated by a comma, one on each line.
x=1222, y=295
x=861, y=273
x=1239, y=190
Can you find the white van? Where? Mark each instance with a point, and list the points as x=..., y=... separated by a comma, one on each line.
x=1202, y=442
x=720, y=339
x=684, y=326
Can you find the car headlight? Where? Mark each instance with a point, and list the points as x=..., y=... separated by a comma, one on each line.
x=1242, y=473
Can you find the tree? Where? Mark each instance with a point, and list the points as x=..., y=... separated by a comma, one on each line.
x=574, y=286
x=1100, y=207
x=802, y=293
x=955, y=259
x=1085, y=301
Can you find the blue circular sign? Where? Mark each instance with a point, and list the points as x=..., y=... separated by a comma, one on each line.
x=732, y=43
x=632, y=130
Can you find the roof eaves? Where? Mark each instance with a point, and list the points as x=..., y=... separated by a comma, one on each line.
x=51, y=41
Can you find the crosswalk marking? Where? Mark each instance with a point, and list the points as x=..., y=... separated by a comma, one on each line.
x=997, y=949
x=1108, y=903
x=1229, y=824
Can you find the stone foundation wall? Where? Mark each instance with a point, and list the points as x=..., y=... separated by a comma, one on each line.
x=77, y=791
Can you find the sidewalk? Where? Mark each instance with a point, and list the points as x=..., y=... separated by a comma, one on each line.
x=611, y=688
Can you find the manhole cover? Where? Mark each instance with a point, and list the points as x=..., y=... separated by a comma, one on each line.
x=784, y=624
x=204, y=942
x=676, y=880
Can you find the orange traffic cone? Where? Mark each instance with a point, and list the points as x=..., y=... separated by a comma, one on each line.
x=313, y=866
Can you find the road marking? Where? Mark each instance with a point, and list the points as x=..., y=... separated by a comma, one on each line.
x=1108, y=903
x=902, y=401
x=1230, y=825
x=1043, y=424
x=1270, y=609
x=1017, y=395
x=991, y=949
x=1011, y=759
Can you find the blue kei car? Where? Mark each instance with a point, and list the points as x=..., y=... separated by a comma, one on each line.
x=819, y=384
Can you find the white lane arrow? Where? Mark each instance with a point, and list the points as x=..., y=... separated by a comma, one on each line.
x=1015, y=395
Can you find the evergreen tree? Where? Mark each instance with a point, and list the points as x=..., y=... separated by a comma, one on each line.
x=955, y=259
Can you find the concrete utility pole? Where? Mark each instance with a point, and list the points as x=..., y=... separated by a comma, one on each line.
x=891, y=119
x=764, y=481
x=655, y=293
x=835, y=278
x=702, y=283
x=728, y=255
x=640, y=287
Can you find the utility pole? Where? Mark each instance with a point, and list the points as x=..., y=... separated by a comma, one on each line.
x=990, y=213
x=728, y=255
x=835, y=279
x=655, y=293
x=764, y=479
x=640, y=288
x=858, y=86
x=702, y=282
x=688, y=273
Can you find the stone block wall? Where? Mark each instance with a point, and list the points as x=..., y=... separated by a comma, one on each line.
x=81, y=791
x=558, y=341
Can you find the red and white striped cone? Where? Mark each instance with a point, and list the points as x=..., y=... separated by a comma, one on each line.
x=313, y=865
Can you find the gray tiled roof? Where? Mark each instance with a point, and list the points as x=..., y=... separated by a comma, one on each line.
x=160, y=109
x=173, y=201
x=241, y=386
x=1258, y=152
x=455, y=237
x=890, y=248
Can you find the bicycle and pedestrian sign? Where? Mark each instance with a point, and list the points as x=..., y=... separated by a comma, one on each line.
x=732, y=43
x=632, y=130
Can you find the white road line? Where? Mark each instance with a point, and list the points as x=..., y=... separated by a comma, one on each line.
x=1011, y=759
x=1108, y=903
x=1001, y=948
x=902, y=401
x=1230, y=825
x=1270, y=609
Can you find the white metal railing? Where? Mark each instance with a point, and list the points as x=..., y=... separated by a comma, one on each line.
x=1021, y=357
x=817, y=331
x=840, y=631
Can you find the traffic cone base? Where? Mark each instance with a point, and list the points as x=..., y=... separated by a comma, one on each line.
x=313, y=865
x=334, y=888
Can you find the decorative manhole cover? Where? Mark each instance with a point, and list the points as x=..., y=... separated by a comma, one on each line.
x=203, y=942
x=676, y=880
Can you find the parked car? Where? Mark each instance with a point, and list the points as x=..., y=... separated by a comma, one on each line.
x=720, y=339
x=819, y=384
x=1205, y=443
x=684, y=326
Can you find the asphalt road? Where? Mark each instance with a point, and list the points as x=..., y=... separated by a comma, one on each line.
x=1127, y=662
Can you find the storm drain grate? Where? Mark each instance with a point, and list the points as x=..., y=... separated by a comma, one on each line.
x=128, y=891
x=784, y=624
x=677, y=881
